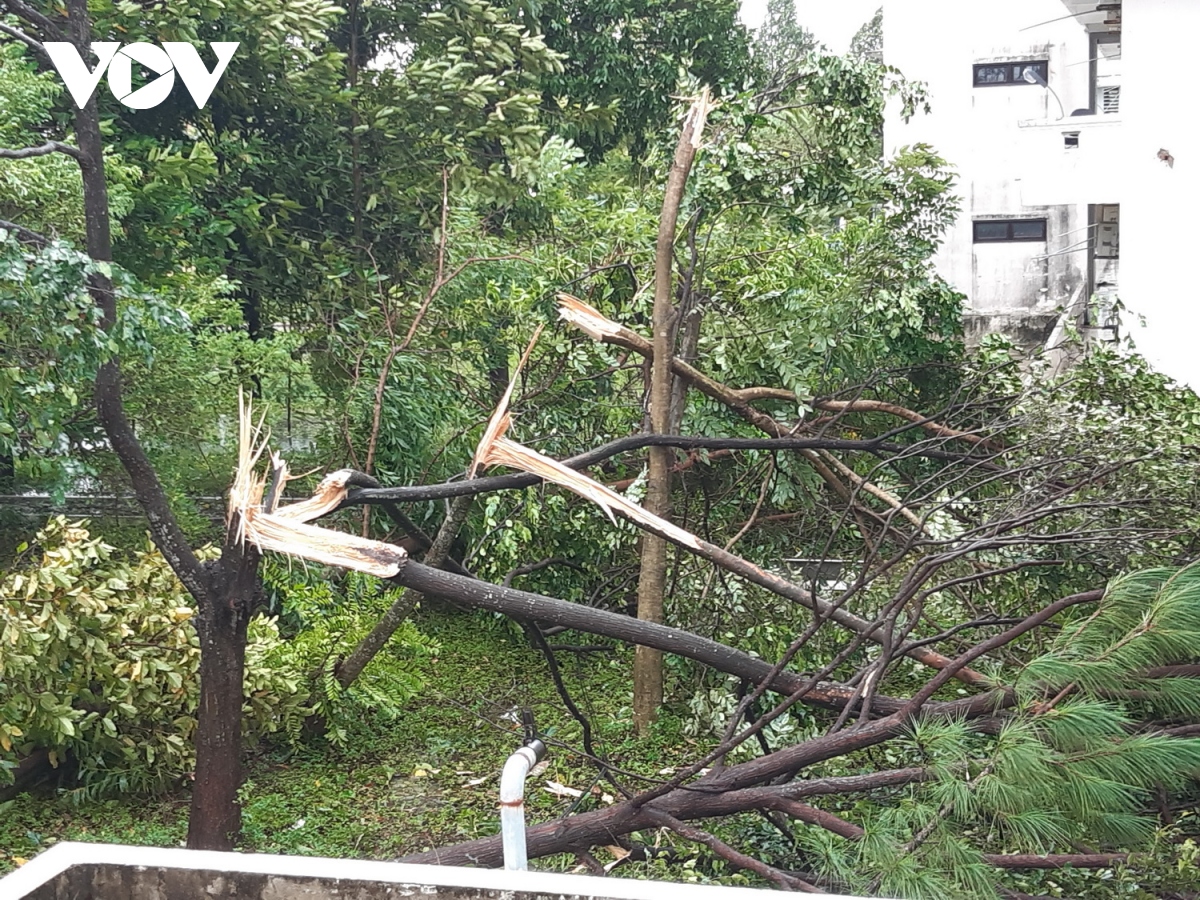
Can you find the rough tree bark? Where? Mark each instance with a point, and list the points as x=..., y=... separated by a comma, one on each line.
x=652, y=581
x=216, y=816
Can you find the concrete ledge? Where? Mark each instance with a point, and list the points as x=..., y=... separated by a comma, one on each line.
x=77, y=871
x=1028, y=330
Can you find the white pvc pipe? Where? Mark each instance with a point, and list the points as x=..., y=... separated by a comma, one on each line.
x=512, y=803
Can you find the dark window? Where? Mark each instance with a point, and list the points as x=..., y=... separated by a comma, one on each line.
x=996, y=230
x=988, y=74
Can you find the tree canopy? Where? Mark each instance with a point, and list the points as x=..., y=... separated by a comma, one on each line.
x=919, y=619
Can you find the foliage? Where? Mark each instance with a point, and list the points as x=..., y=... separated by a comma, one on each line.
x=325, y=618
x=867, y=42
x=43, y=191
x=630, y=56
x=52, y=342
x=98, y=664
x=781, y=43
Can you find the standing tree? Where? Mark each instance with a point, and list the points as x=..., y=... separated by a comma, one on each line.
x=867, y=43
x=782, y=42
x=225, y=589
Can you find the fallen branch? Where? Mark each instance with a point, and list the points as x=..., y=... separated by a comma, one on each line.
x=784, y=880
x=495, y=449
x=597, y=326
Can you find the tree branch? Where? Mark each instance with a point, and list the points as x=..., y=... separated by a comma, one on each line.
x=785, y=881
x=1056, y=860
x=42, y=150
x=25, y=234
x=47, y=25
x=446, y=490
x=30, y=42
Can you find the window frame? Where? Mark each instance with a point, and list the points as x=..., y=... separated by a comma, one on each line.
x=1009, y=223
x=1094, y=41
x=1041, y=65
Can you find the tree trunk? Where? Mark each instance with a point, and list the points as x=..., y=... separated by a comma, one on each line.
x=224, y=591
x=652, y=580
x=216, y=815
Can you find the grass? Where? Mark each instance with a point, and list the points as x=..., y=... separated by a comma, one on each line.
x=399, y=785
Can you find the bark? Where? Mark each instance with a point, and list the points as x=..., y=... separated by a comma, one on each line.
x=652, y=582
x=216, y=816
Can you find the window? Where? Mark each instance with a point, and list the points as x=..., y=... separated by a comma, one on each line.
x=1108, y=231
x=1109, y=99
x=991, y=231
x=988, y=74
x=1106, y=73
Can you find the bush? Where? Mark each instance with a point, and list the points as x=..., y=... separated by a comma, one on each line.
x=99, y=665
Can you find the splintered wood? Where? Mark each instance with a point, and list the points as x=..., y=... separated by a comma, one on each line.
x=503, y=452
x=496, y=449
x=285, y=530
x=595, y=325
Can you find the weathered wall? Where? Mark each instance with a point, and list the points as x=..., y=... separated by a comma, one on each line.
x=77, y=871
x=978, y=130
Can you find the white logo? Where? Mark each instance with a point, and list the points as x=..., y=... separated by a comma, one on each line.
x=165, y=61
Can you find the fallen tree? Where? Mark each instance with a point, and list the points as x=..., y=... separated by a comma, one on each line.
x=953, y=789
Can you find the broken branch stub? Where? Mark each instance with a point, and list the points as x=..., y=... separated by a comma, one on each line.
x=285, y=530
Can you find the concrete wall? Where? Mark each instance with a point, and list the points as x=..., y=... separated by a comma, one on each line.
x=75, y=871
x=977, y=129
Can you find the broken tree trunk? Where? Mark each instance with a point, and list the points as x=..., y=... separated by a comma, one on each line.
x=652, y=580
x=223, y=591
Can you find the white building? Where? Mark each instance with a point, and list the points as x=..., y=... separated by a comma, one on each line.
x=1078, y=156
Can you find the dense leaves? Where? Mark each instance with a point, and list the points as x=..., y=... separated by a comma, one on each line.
x=363, y=228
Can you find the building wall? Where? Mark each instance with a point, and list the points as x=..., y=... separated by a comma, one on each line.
x=1007, y=143
x=1160, y=231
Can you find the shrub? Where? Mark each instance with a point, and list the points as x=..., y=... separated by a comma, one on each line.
x=99, y=665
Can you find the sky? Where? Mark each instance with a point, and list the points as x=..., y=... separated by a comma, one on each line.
x=834, y=22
